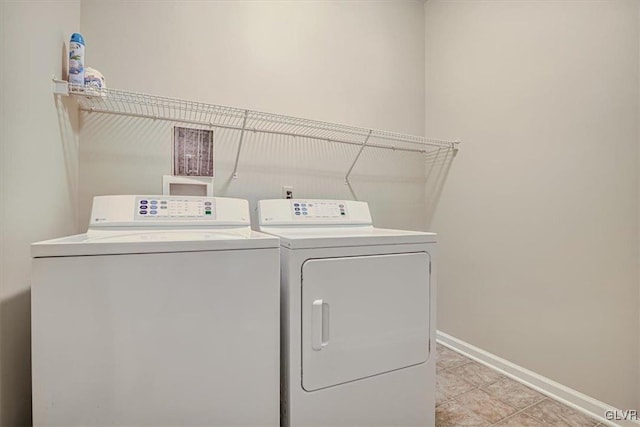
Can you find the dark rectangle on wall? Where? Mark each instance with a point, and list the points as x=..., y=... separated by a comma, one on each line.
x=192, y=152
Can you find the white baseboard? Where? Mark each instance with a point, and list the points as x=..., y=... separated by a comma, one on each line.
x=568, y=396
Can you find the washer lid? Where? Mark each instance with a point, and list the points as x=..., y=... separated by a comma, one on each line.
x=331, y=237
x=117, y=242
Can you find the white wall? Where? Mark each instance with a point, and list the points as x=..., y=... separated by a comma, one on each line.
x=539, y=217
x=37, y=174
x=359, y=63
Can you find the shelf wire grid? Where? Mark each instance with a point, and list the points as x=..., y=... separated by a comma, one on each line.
x=116, y=101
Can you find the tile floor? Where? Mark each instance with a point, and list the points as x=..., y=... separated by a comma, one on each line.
x=470, y=394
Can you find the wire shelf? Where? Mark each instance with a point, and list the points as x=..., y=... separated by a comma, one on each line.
x=122, y=102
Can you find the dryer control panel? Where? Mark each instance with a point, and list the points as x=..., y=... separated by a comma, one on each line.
x=325, y=209
x=164, y=211
x=302, y=212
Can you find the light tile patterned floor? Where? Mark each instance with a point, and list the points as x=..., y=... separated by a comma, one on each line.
x=470, y=394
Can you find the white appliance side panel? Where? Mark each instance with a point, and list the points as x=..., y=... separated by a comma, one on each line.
x=171, y=339
x=363, y=316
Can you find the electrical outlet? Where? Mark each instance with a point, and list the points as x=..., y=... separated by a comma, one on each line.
x=287, y=192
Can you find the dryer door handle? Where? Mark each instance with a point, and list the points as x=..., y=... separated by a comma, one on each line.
x=319, y=324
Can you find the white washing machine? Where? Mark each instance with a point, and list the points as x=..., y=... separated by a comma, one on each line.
x=358, y=317
x=165, y=313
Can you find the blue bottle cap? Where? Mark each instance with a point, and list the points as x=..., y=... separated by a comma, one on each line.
x=77, y=37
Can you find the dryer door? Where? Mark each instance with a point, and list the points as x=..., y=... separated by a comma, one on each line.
x=363, y=316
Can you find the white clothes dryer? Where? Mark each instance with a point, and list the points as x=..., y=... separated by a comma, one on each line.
x=358, y=317
x=166, y=312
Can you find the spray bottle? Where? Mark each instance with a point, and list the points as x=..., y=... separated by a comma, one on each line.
x=76, y=59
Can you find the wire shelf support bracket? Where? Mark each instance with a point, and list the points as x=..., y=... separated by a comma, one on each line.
x=353, y=164
x=244, y=128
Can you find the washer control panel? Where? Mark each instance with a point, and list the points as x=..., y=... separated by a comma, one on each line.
x=173, y=207
x=168, y=211
x=318, y=209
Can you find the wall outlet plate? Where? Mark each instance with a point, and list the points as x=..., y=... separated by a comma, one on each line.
x=287, y=192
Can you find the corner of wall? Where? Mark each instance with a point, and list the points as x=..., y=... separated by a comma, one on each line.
x=638, y=214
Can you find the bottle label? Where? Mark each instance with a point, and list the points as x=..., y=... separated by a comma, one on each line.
x=76, y=63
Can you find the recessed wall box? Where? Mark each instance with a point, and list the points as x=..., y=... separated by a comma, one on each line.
x=187, y=186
